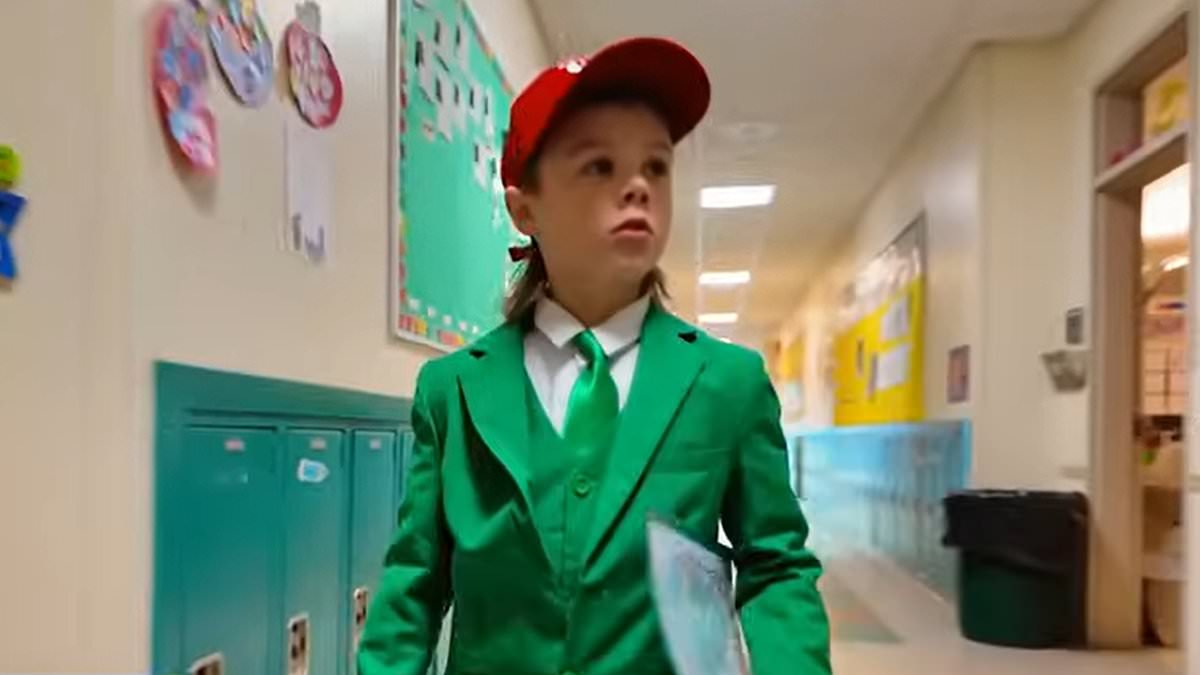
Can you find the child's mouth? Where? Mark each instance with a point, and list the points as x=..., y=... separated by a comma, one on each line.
x=634, y=226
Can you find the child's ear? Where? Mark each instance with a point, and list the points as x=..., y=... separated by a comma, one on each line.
x=520, y=211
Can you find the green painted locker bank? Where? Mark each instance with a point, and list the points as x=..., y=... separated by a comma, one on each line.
x=274, y=506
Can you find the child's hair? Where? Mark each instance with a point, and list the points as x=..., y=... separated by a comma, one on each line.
x=533, y=279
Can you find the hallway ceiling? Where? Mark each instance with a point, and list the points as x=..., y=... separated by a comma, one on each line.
x=816, y=96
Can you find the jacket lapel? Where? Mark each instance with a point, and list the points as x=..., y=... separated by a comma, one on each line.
x=668, y=363
x=494, y=390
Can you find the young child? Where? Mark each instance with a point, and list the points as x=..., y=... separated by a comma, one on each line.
x=541, y=449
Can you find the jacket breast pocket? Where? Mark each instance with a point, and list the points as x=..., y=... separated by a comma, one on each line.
x=692, y=458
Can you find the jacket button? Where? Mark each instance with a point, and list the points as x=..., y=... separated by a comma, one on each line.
x=582, y=487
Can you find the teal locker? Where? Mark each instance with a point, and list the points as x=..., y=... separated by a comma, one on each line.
x=229, y=555
x=252, y=549
x=315, y=479
x=373, y=497
x=406, y=449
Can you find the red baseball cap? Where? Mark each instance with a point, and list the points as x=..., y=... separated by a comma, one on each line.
x=663, y=71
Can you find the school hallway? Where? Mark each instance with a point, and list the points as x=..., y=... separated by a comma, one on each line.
x=923, y=265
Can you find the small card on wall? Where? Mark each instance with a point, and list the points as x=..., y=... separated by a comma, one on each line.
x=958, y=375
x=1075, y=327
x=309, y=190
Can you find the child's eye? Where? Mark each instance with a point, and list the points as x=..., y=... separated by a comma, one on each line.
x=658, y=168
x=601, y=166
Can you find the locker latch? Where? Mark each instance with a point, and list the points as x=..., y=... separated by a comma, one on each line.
x=298, y=642
x=213, y=664
x=360, y=603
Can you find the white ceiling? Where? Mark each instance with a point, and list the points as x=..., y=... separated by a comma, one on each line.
x=813, y=95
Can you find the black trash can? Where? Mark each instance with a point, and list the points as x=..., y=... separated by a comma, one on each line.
x=1022, y=566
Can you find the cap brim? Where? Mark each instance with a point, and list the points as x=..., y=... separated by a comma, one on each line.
x=660, y=70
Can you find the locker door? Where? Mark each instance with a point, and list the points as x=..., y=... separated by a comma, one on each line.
x=315, y=517
x=229, y=553
x=406, y=440
x=373, y=496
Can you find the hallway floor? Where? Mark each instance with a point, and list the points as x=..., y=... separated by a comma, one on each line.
x=886, y=622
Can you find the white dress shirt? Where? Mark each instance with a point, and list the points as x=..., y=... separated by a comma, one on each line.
x=554, y=363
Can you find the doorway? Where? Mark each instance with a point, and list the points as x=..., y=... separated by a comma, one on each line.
x=1141, y=258
x=1166, y=258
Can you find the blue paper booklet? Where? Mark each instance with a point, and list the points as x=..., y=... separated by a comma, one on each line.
x=693, y=590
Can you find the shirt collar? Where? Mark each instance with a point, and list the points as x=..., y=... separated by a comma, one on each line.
x=621, y=330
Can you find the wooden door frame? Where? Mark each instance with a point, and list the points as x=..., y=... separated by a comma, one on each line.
x=1191, y=521
x=1115, y=586
x=1115, y=569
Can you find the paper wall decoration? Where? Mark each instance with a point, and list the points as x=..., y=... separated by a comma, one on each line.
x=11, y=206
x=316, y=83
x=180, y=80
x=243, y=49
x=309, y=190
x=1166, y=102
x=10, y=167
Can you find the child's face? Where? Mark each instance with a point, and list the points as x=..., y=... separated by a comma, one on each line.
x=601, y=209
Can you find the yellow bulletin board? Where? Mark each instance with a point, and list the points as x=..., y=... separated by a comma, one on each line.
x=879, y=348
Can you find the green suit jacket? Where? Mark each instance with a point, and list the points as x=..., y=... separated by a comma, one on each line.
x=699, y=441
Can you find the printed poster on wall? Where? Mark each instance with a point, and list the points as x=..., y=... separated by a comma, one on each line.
x=879, y=344
x=451, y=230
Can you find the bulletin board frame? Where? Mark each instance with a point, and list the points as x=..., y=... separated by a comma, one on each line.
x=424, y=320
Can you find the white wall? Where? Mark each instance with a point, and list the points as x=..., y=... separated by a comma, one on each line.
x=126, y=262
x=211, y=283
x=64, y=344
x=938, y=173
x=1037, y=262
x=1002, y=165
x=1032, y=250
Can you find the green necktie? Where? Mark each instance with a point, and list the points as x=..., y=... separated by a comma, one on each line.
x=592, y=408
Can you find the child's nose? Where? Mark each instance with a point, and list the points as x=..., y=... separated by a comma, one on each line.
x=637, y=193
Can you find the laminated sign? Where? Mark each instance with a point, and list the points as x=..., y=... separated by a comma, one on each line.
x=693, y=589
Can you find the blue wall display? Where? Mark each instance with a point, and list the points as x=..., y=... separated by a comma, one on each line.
x=879, y=490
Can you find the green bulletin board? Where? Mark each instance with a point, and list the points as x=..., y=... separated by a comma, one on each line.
x=451, y=231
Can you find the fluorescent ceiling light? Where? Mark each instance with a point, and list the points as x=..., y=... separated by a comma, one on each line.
x=736, y=196
x=1166, y=206
x=1175, y=262
x=719, y=318
x=732, y=278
